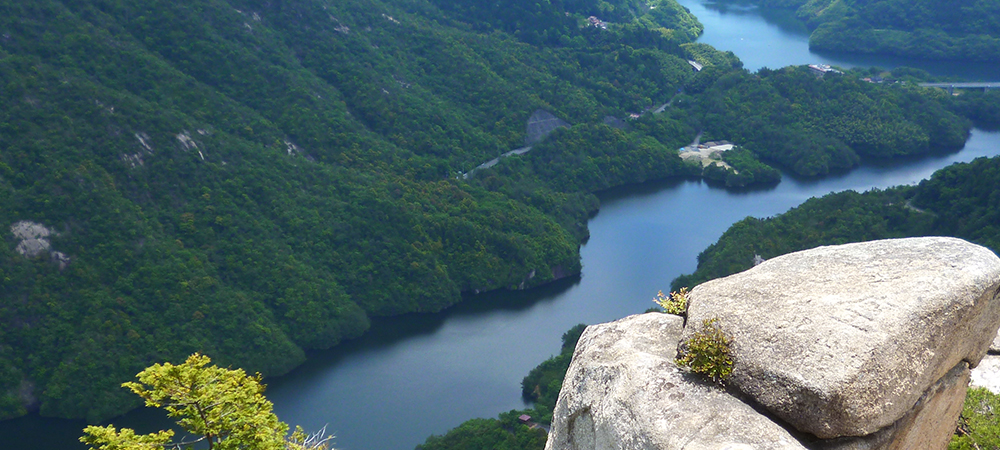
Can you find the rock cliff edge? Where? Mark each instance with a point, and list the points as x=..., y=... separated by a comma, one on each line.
x=859, y=346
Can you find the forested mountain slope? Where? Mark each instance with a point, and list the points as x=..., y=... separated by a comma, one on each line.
x=961, y=29
x=251, y=179
x=961, y=200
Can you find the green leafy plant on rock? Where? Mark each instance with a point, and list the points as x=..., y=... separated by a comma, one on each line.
x=707, y=352
x=675, y=303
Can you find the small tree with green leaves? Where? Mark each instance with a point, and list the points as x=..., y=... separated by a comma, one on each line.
x=225, y=409
x=675, y=303
x=707, y=352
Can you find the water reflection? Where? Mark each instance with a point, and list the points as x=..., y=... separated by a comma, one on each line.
x=783, y=19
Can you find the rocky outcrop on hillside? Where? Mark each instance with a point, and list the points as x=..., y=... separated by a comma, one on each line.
x=860, y=346
x=33, y=241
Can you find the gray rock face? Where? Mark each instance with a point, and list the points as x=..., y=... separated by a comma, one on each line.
x=33, y=238
x=844, y=341
x=541, y=124
x=929, y=425
x=623, y=391
x=987, y=374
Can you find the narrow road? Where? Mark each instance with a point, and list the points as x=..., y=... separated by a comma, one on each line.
x=551, y=124
x=494, y=161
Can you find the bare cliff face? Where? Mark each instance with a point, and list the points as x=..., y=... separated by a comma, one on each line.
x=860, y=346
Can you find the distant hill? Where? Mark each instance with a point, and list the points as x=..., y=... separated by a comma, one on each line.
x=955, y=30
x=961, y=200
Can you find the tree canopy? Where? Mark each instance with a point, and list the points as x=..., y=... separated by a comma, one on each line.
x=224, y=408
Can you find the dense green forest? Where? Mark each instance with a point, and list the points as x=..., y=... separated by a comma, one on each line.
x=252, y=179
x=813, y=125
x=961, y=200
x=955, y=30
x=505, y=432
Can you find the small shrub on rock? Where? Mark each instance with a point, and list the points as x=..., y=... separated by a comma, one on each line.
x=707, y=352
x=979, y=426
x=676, y=303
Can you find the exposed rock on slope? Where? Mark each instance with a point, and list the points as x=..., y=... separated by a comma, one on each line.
x=861, y=346
x=33, y=240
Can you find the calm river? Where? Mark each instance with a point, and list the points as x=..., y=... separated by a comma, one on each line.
x=413, y=376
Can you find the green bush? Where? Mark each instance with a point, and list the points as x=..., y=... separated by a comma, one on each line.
x=979, y=425
x=676, y=303
x=707, y=352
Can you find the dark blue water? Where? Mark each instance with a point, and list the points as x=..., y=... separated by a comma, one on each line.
x=415, y=375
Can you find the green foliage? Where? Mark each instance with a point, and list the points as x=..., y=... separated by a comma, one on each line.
x=748, y=169
x=707, y=352
x=559, y=22
x=503, y=433
x=964, y=30
x=596, y=157
x=834, y=219
x=983, y=108
x=706, y=55
x=744, y=169
x=571, y=337
x=960, y=200
x=979, y=425
x=964, y=200
x=676, y=303
x=813, y=125
x=250, y=180
x=224, y=408
x=109, y=438
x=543, y=383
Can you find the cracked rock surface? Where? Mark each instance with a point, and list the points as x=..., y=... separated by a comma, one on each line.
x=843, y=340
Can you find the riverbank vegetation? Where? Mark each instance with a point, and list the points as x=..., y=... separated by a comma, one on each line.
x=250, y=179
x=541, y=386
x=745, y=169
x=506, y=432
x=964, y=30
x=960, y=200
x=814, y=124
